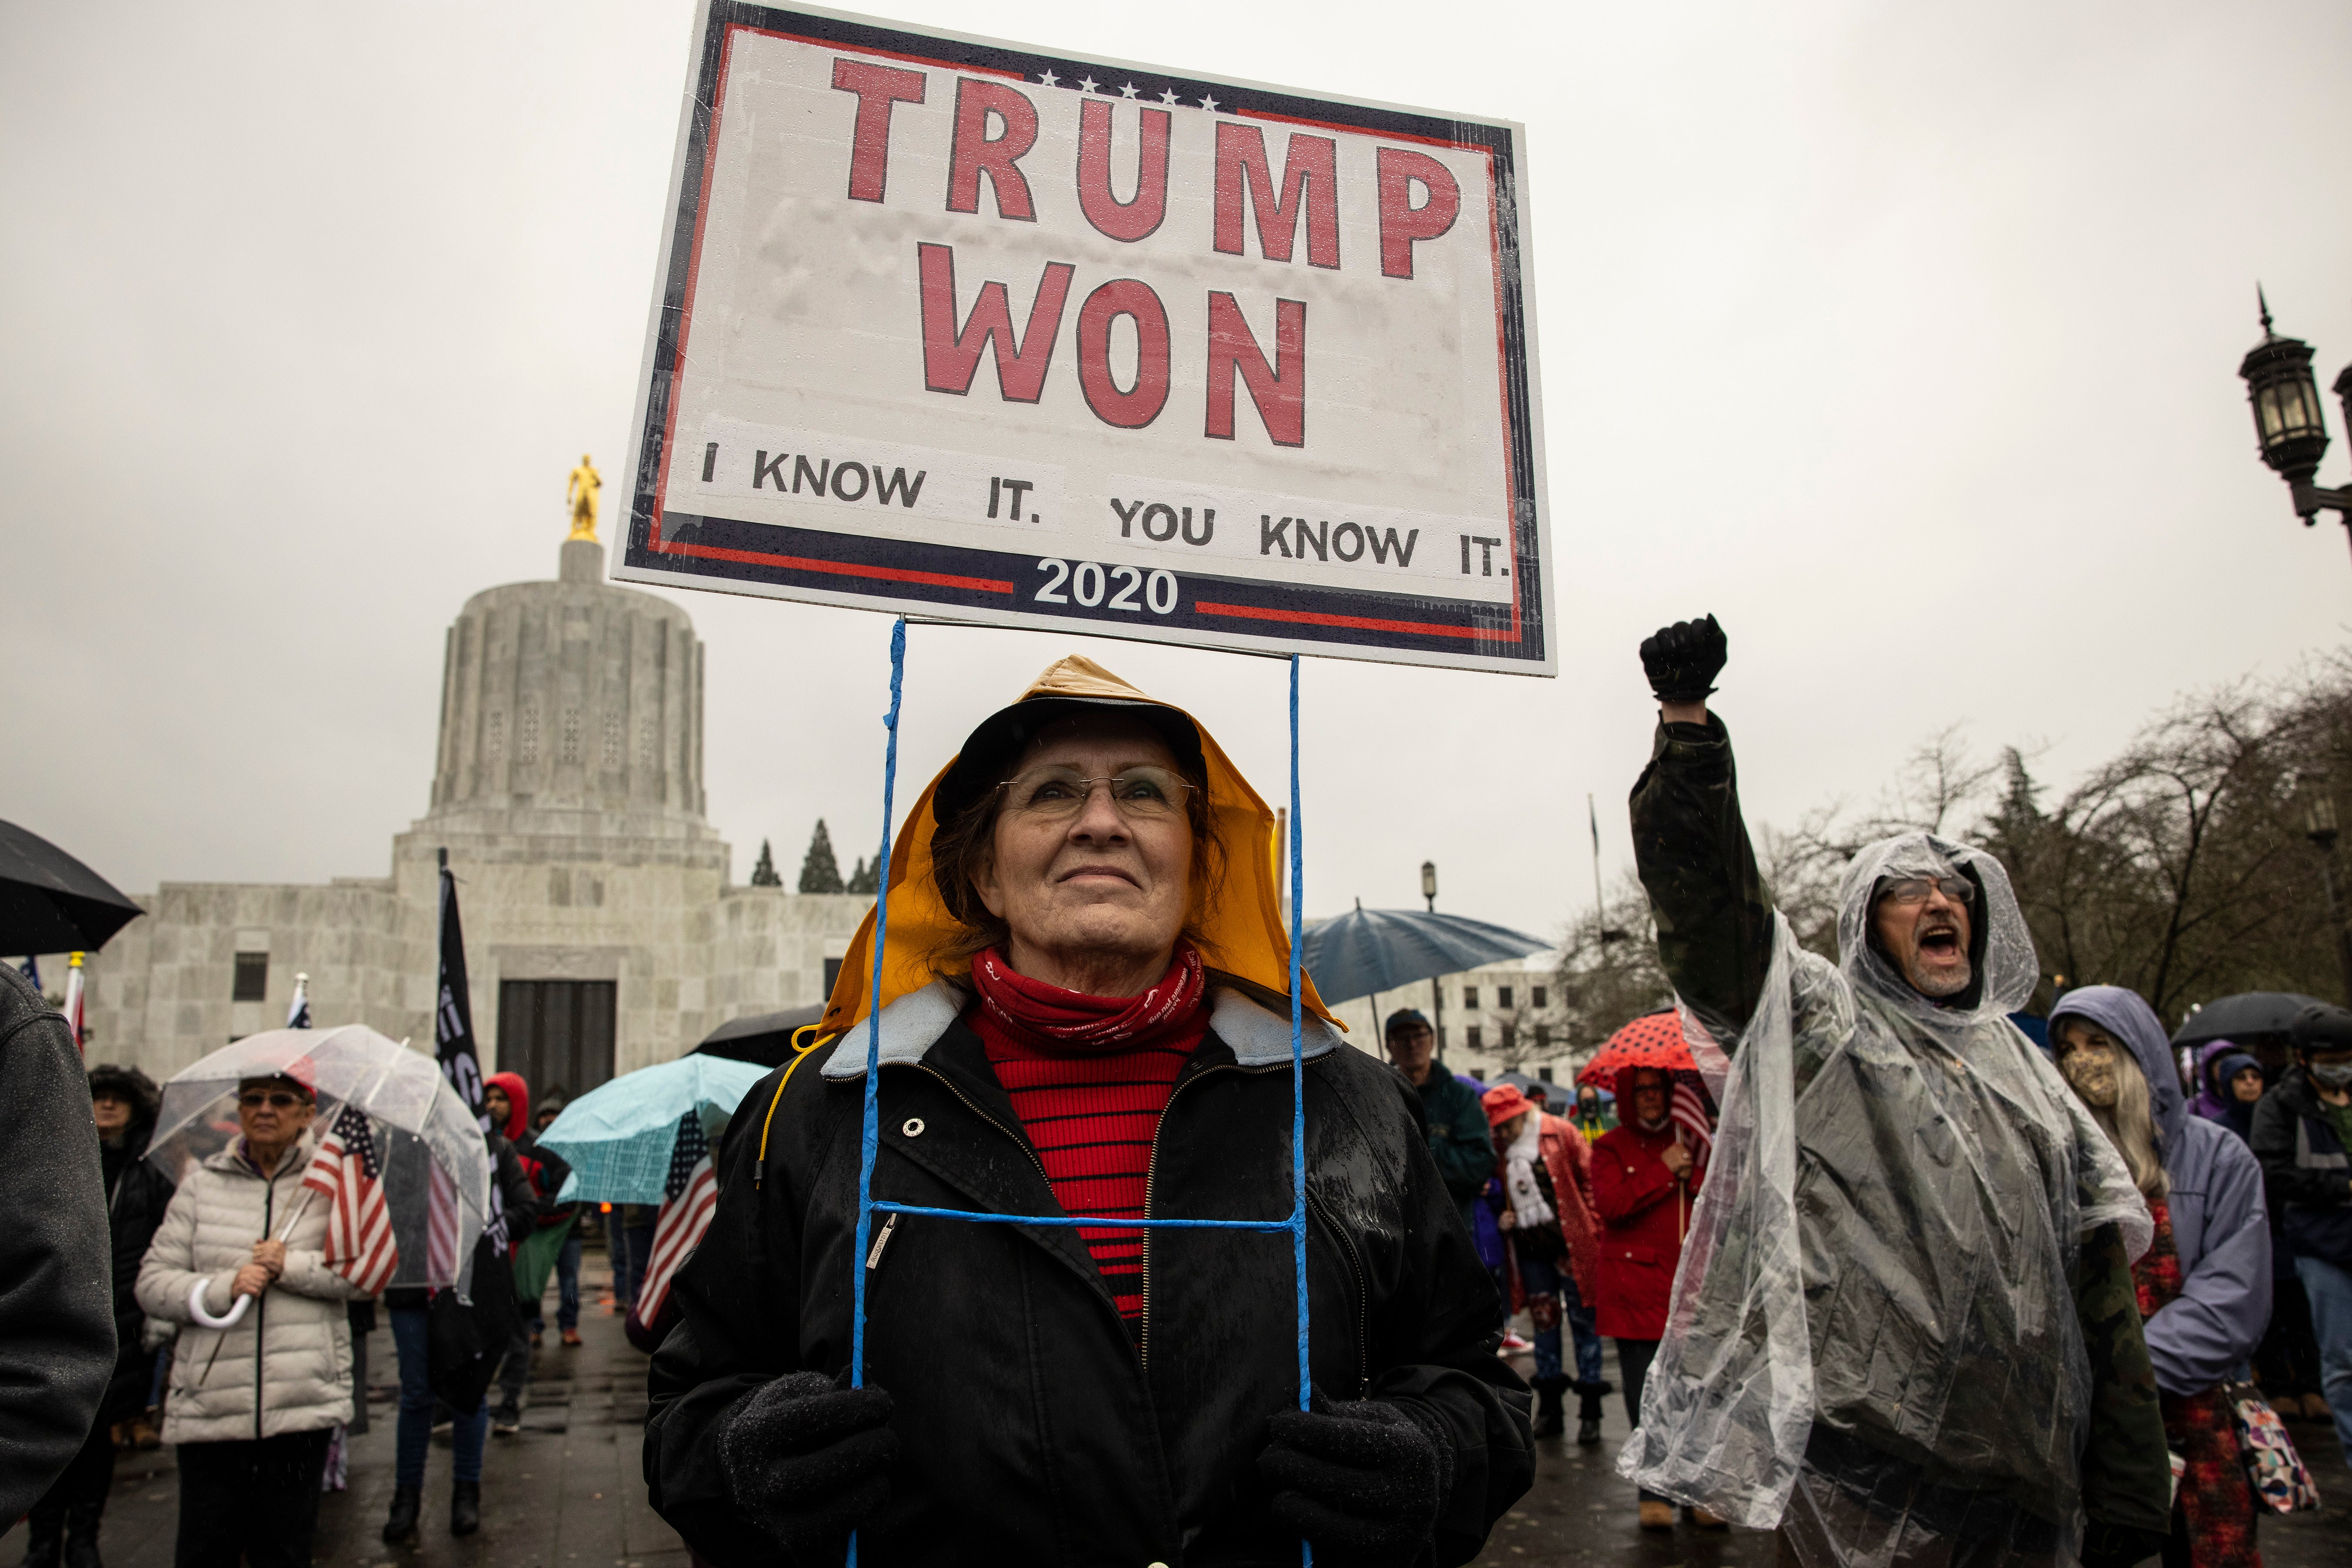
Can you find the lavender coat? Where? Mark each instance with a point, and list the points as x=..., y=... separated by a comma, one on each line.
x=2219, y=1225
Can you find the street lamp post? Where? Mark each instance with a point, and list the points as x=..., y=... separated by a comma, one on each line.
x=2319, y=827
x=2287, y=421
x=1436, y=982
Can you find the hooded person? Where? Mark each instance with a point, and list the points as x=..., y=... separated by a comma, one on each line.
x=1904, y=1329
x=2224, y=1092
x=2204, y=1283
x=1644, y=1176
x=505, y=1100
x=1084, y=1011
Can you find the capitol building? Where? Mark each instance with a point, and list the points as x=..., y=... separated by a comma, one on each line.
x=601, y=933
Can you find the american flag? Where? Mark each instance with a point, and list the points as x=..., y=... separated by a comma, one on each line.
x=1693, y=1114
x=441, y=1226
x=298, y=1012
x=346, y=1173
x=689, y=1198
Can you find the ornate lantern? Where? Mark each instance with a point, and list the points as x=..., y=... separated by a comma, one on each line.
x=2285, y=398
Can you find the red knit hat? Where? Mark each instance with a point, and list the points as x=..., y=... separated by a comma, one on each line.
x=1502, y=1103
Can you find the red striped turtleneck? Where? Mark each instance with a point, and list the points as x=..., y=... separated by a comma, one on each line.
x=1088, y=1076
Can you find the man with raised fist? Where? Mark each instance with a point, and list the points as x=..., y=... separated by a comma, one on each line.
x=1905, y=1329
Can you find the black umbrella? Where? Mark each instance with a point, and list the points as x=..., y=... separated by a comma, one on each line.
x=2247, y=1013
x=1366, y=951
x=763, y=1038
x=50, y=902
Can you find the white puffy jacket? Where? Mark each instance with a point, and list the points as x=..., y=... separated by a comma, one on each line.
x=286, y=1366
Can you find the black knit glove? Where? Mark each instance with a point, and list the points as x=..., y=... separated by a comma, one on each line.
x=806, y=1458
x=2117, y=1545
x=1361, y=1482
x=1683, y=660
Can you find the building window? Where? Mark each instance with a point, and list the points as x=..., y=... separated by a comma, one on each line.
x=1551, y=1072
x=1543, y=1038
x=1469, y=998
x=1503, y=997
x=252, y=983
x=1470, y=1038
x=1540, y=1000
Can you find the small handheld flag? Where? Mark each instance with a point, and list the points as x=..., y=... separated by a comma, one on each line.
x=348, y=1173
x=690, y=1197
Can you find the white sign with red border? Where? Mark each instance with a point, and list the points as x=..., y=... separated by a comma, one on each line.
x=975, y=331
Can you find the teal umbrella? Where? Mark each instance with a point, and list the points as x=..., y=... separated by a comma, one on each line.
x=619, y=1137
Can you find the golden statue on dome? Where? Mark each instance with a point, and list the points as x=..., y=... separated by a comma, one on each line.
x=580, y=492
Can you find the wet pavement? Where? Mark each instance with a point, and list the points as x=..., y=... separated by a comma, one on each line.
x=566, y=1492
x=1579, y=1513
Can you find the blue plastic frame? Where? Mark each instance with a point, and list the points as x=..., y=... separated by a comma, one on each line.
x=870, y=1137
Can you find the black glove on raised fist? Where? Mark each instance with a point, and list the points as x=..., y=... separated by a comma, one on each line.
x=1361, y=1482
x=807, y=1456
x=1683, y=660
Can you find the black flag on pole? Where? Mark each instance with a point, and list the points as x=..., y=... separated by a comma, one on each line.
x=453, y=1013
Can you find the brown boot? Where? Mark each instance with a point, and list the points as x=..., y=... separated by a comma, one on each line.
x=1657, y=1515
x=1706, y=1521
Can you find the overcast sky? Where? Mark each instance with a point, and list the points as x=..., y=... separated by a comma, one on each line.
x=1902, y=337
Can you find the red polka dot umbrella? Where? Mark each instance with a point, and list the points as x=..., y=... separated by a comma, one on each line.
x=1656, y=1039
x=1653, y=1039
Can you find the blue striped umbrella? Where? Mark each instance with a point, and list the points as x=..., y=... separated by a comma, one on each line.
x=619, y=1137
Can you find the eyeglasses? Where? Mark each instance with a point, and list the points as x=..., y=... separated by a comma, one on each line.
x=254, y=1100
x=1139, y=794
x=1914, y=890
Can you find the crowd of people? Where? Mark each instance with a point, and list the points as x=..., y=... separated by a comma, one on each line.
x=257, y=1409
x=1923, y=1291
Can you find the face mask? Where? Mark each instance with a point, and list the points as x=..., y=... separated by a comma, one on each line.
x=2337, y=1076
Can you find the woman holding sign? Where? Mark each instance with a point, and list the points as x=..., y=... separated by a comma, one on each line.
x=1085, y=1012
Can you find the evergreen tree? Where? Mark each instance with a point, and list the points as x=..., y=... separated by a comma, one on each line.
x=820, y=873
x=868, y=878
x=764, y=873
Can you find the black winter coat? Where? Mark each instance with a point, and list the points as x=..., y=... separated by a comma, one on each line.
x=1031, y=1428
x=137, y=1194
x=2307, y=1168
x=56, y=1316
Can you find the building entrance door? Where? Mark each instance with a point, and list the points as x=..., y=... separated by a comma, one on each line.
x=557, y=1033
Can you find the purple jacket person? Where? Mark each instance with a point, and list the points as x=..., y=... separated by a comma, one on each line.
x=2220, y=1224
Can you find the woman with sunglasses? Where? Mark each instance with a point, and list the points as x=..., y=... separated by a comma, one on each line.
x=252, y=1406
x=1085, y=1011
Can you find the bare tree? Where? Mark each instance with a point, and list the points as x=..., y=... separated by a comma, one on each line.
x=1609, y=972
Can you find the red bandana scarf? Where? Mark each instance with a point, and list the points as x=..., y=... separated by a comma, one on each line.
x=1075, y=1021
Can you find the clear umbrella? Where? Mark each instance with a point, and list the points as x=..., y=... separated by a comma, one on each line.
x=434, y=1166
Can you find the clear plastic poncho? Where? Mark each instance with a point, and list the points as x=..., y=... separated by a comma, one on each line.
x=1872, y=1338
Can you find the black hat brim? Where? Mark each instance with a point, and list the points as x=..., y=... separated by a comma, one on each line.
x=997, y=741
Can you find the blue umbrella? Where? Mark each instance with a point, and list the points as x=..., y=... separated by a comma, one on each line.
x=618, y=1137
x=1371, y=950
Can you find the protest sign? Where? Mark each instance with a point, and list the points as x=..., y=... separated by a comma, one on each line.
x=984, y=332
